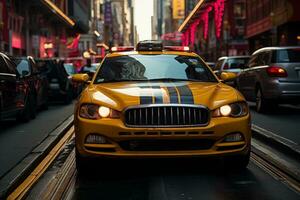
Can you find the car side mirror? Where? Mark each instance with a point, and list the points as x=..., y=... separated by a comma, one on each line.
x=228, y=76
x=81, y=78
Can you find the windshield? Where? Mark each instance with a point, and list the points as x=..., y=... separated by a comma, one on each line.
x=153, y=67
x=70, y=69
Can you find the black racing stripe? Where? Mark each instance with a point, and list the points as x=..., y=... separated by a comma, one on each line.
x=186, y=95
x=173, y=95
x=145, y=95
x=158, y=94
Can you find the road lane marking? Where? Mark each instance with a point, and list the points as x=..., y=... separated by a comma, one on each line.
x=25, y=186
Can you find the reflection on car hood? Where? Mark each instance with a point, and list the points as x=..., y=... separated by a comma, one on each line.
x=123, y=94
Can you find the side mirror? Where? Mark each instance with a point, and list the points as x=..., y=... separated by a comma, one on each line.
x=228, y=76
x=83, y=78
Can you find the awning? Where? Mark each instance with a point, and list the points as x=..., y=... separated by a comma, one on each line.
x=54, y=9
x=195, y=12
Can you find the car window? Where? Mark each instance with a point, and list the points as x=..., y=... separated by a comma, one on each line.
x=22, y=66
x=218, y=65
x=266, y=58
x=238, y=63
x=69, y=68
x=11, y=66
x=253, y=61
x=3, y=66
x=147, y=67
x=287, y=55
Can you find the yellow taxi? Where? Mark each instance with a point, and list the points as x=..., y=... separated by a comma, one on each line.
x=158, y=101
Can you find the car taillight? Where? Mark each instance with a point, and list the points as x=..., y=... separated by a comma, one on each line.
x=275, y=71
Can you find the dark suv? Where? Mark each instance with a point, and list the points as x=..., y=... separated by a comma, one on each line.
x=272, y=77
x=16, y=98
x=37, y=81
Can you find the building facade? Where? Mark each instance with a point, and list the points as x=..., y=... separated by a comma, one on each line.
x=273, y=23
x=40, y=28
x=216, y=28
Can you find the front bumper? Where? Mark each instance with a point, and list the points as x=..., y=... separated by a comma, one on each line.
x=118, y=134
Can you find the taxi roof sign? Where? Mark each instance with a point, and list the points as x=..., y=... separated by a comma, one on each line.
x=149, y=45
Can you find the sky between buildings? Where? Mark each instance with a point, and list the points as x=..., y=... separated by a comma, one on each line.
x=143, y=10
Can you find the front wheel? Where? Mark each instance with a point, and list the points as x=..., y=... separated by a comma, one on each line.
x=33, y=106
x=83, y=165
x=25, y=114
x=238, y=162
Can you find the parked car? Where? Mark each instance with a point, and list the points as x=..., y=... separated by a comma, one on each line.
x=16, y=97
x=230, y=64
x=37, y=81
x=273, y=77
x=211, y=65
x=60, y=83
x=71, y=70
x=89, y=68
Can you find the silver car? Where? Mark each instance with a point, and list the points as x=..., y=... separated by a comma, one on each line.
x=231, y=64
x=271, y=77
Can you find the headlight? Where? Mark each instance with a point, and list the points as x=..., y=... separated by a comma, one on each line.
x=238, y=109
x=104, y=111
x=92, y=111
x=225, y=110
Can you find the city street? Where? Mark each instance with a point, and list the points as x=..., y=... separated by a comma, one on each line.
x=150, y=99
x=165, y=179
x=17, y=140
x=150, y=179
x=283, y=121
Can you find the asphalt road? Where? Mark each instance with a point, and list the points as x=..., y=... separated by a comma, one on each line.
x=180, y=179
x=284, y=121
x=19, y=139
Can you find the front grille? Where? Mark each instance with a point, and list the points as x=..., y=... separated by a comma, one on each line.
x=167, y=116
x=166, y=145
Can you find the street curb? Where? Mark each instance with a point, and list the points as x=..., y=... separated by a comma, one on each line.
x=290, y=170
x=277, y=141
x=19, y=173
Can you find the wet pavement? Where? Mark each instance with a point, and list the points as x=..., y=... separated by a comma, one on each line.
x=167, y=179
x=283, y=121
x=18, y=139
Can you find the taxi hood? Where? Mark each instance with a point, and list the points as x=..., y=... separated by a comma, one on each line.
x=120, y=95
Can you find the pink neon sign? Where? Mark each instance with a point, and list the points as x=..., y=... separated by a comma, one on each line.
x=218, y=6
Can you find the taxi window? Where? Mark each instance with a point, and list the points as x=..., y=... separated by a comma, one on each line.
x=149, y=67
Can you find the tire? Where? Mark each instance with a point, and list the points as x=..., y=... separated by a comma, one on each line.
x=82, y=164
x=260, y=102
x=238, y=162
x=68, y=97
x=24, y=115
x=33, y=107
